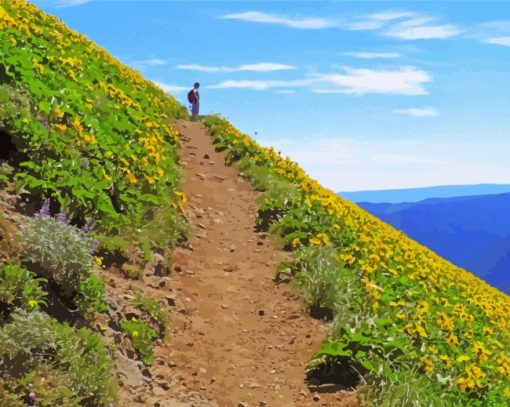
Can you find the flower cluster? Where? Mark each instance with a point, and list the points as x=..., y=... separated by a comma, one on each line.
x=100, y=139
x=448, y=323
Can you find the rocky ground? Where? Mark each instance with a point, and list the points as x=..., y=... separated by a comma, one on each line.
x=236, y=338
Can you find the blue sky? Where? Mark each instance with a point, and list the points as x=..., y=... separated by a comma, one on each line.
x=363, y=94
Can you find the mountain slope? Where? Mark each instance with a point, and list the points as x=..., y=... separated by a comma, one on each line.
x=420, y=194
x=472, y=232
x=404, y=317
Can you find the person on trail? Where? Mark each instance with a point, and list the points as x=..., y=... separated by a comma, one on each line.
x=194, y=100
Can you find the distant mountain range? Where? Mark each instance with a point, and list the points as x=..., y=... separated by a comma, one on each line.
x=419, y=194
x=472, y=232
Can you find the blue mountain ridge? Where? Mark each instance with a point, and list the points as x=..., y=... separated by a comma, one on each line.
x=419, y=194
x=472, y=232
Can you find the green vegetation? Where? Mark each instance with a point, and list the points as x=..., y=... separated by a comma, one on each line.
x=141, y=336
x=157, y=314
x=92, y=142
x=21, y=288
x=418, y=330
x=62, y=366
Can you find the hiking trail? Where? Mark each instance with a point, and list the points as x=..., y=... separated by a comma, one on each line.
x=236, y=338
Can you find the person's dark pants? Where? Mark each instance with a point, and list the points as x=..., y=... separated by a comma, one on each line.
x=194, y=111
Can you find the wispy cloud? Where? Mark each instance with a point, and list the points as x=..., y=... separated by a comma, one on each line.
x=373, y=55
x=70, y=3
x=145, y=63
x=418, y=112
x=376, y=21
x=308, y=23
x=421, y=32
x=404, y=81
x=505, y=41
x=403, y=25
x=260, y=67
x=260, y=84
x=170, y=88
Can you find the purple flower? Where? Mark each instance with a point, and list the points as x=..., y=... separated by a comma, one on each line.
x=45, y=209
x=94, y=247
x=32, y=395
x=89, y=226
x=45, y=123
x=85, y=164
x=61, y=217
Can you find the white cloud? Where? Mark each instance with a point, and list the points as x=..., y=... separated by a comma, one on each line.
x=70, y=3
x=413, y=31
x=170, y=88
x=286, y=91
x=309, y=23
x=373, y=55
x=142, y=65
x=260, y=84
x=418, y=112
x=390, y=15
x=376, y=21
x=260, y=67
x=405, y=81
x=505, y=41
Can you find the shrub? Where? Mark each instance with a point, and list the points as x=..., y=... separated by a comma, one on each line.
x=61, y=365
x=323, y=279
x=141, y=336
x=63, y=253
x=14, y=103
x=155, y=312
x=20, y=287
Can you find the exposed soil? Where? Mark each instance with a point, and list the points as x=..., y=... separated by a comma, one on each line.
x=236, y=338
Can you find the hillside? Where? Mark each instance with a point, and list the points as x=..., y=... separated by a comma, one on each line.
x=472, y=232
x=146, y=260
x=420, y=194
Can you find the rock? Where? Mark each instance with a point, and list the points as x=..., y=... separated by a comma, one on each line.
x=228, y=268
x=172, y=364
x=178, y=269
x=170, y=299
x=224, y=306
x=316, y=397
x=261, y=312
x=206, y=156
x=157, y=266
x=242, y=404
x=201, y=226
x=146, y=372
x=202, y=370
x=263, y=403
x=128, y=371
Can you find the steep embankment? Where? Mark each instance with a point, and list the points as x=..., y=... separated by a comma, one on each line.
x=418, y=329
x=88, y=169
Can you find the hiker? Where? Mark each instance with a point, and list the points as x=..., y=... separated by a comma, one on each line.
x=194, y=100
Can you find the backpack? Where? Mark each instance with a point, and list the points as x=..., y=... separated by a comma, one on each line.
x=192, y=98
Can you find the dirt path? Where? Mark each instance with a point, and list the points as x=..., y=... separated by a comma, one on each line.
x=236, y=338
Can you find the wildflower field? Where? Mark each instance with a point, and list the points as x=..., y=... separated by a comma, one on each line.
x=417, y=329
x=88, y=147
